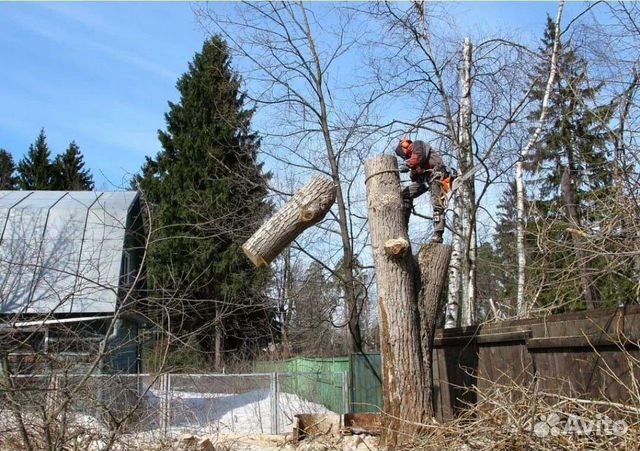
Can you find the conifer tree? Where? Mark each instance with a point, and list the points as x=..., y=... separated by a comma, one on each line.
x=69, y=172
x=35, y=169
x=570, y=163
x=8, y=179
x=208, y=195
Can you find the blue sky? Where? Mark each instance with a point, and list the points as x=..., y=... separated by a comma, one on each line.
x=101, y=73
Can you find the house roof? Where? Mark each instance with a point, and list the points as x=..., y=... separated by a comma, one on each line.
x=61, y=251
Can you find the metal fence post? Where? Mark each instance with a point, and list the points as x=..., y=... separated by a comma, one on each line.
x=165, y=414
x=346, y=405
x=274, y=403
x=169, y=396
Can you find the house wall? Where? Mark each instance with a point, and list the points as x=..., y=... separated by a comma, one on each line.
x=122, y=349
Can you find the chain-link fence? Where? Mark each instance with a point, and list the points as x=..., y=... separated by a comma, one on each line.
x=194, y=403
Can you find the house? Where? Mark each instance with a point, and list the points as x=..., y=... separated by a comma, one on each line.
x=70, y=278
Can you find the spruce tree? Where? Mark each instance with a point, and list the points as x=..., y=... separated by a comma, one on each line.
x=35, y=169
x=571, y=166
x=313, y=332
x=575, y=137
x=505, y=248
x=69, y=173
x=8, y=179
x=208, y=195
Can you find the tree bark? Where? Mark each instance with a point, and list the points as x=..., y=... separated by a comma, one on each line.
x=522, y=308
x=433, y=261
x=406, y=325
x=521, y=305
x=403, y=372
x=307, y=207
x=454, y=291
x=218, y=347
x=571, y=205
x=468, y=192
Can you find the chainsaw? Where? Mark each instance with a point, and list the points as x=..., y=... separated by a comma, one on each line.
x=454, y=181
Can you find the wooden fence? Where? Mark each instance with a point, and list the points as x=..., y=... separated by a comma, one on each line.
x=585, y=354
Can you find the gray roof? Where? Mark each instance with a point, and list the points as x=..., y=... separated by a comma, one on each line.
x=61, y=251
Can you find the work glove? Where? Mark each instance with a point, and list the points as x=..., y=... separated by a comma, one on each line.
x=403, y=168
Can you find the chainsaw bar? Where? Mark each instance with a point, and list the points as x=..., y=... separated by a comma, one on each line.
x=458, y=181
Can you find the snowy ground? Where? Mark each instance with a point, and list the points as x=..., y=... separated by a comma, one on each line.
x=249, y=412
x=244, y=419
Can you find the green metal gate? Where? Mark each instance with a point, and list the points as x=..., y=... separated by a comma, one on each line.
x=365, y=390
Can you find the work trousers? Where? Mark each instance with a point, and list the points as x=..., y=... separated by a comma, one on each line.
x=417, y=188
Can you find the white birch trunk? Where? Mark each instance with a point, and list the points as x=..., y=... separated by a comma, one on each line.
x=521, y=305
x=455, y=267
x=465, y=156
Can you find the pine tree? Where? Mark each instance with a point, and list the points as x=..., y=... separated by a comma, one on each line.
x=8, y=179
x=35, y=169
x=69, y=172
x=208, y=195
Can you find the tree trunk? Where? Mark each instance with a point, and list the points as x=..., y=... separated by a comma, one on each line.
x=307, y=207
x=469, y=192
x=522, y=309
x=403, y=372
x=218, y=348
x=571, y=204
x=433, y=261
x=454, y=292
x=521, y=304
x=406, y=325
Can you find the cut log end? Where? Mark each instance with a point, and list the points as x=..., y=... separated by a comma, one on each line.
x=308, y=215
x=307, y=206
x=257, y=260
x=396, y=247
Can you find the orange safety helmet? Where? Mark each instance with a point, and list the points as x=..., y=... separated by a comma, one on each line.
x=406, y=144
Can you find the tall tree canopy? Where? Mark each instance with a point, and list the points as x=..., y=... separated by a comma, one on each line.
x=35, y=169
x=8, y=179
x=69, y=172
x=207, y=193
x=573, y=168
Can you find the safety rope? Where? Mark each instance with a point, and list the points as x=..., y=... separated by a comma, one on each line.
x=395, y=171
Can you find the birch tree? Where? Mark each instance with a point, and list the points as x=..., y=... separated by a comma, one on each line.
x=522, y=308
x=470, y=103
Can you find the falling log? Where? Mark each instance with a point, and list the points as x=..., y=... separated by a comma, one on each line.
x=307, y=207
x=405, y=401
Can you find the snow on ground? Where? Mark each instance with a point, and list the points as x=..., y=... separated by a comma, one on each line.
x=249, y=412
x=247, y=417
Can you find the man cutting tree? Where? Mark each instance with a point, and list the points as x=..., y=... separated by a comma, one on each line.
x=427, y=172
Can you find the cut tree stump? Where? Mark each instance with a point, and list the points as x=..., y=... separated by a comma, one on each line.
x=433, y=261
x=409, y=300
x=307, y=207
x=403, y=373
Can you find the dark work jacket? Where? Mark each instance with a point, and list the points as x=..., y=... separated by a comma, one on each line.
x=420, y=159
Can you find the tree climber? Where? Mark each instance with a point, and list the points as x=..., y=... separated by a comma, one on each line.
x=427, y=172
